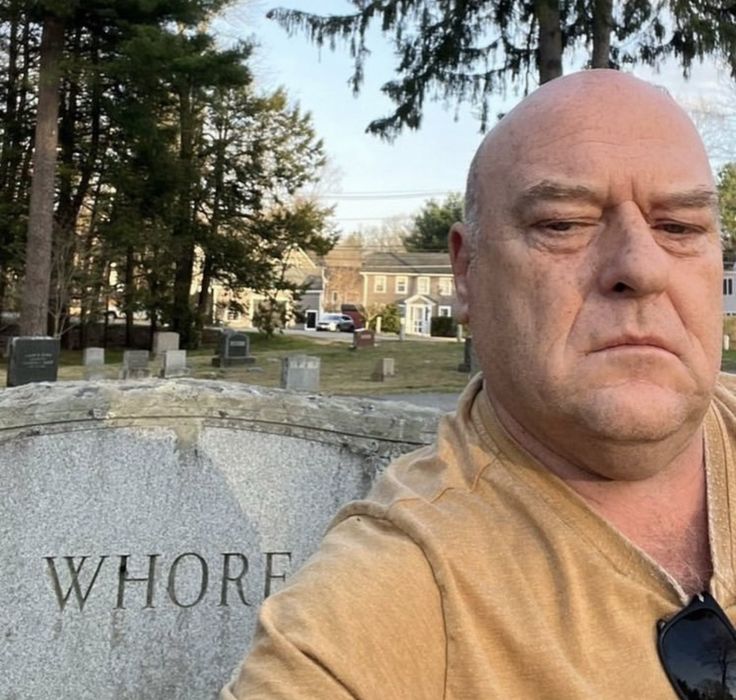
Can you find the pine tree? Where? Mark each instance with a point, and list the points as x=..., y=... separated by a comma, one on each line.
x=467, y=51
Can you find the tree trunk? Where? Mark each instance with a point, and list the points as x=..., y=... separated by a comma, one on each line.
x=35, y=299
x=128, y=294
x=549, y=53
x=602, y=24
x=182, y=316
x=204, y=310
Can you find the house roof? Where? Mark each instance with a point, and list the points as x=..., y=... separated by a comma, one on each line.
x=417, y=263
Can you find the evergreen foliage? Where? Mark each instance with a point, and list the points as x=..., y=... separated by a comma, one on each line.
x=171, y=166
x=432, y=225
x=467, y=51
x=727, y=201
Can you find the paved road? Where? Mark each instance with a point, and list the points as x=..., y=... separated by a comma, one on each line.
x=348, y=337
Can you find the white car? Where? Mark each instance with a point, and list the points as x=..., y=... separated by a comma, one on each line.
x=335, y=322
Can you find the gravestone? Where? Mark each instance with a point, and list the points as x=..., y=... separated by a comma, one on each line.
x=233, y=350
x=93, y=360
x=385, y=367
x=470, y=359
x=163, y=341
x=300, y=373
x=363, y=339
x=135, y=365
x=144, y=522
x=32, y=359
x=175, y=364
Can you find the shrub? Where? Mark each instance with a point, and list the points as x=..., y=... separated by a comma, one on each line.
x=443, y=326
x=389, y=318
x=271, y=316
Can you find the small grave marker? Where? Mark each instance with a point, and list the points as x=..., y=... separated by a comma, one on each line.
x=94, y=363
x=164, y=341
x=135, y=365
x=385, y=367
x=233, y=350
x=300, y=373
x=175, y=364
x=32, y=359
x=363, y=339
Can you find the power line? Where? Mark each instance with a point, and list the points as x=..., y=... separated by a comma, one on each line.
x=396, y=194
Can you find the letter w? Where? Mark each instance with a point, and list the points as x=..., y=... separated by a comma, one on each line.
x=74, y=571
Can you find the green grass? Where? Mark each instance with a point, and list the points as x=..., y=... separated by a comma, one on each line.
x=728, y=364
x=421, y=366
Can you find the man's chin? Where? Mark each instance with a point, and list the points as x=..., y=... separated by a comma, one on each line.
x=639, y=411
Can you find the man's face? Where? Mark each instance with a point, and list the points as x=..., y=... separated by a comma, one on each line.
x=595, y=295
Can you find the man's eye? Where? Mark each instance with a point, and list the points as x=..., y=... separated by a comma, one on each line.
x=672, y=227
x=559, y=226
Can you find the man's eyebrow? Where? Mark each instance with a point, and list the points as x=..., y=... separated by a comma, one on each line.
x=699, y=198
x=552, y=190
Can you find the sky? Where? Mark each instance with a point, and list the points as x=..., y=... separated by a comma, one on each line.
x=370, y=182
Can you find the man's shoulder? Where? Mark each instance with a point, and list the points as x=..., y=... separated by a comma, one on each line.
x=726, y=390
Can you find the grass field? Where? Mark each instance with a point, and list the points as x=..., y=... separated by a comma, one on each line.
x=421, y=366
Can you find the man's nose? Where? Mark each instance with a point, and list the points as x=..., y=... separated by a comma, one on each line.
x=631, y=260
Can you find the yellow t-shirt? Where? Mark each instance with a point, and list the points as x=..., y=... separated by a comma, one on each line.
x=471, y=572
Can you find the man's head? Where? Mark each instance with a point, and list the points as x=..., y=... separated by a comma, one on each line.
x=590, y=269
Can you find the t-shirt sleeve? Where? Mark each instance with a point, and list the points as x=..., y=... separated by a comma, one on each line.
x=362, y=619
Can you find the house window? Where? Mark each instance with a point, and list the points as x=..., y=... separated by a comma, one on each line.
x=401, y=285
x=232, y=314
x=445, y=311
x=334, y=297
x=423, y=285
x=446, y=286
x=728, y=286
x=379, y=284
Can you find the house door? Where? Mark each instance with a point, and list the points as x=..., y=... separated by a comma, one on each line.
x=310, y=322
x=419, y=319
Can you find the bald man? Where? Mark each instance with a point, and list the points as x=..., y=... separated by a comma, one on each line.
x=581, y=493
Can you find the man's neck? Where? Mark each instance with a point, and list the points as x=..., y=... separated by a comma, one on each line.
x=665, y=515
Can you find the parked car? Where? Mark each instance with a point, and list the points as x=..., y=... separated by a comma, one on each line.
x=335, y=322
x=356, y=312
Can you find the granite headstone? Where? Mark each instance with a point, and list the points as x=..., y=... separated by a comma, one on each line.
x=174, y=364
x=385, y=367
x=32, y=359
x=93, y=360
x=143, y=523
x=163, y=341
x=233, y=350
x=300, y=373
x=135, y=365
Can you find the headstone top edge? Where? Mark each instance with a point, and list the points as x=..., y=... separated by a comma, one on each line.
x=196, y=400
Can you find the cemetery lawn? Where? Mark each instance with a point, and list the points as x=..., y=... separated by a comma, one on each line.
x=728, y=364
x=421, y=366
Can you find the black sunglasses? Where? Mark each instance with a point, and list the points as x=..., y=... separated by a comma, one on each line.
x=697, y=648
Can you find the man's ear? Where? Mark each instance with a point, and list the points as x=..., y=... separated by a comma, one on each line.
x=461, y=248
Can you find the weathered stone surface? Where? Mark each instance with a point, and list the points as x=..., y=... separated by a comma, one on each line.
x=385, y=367
x=300, y=373
x=178, y=505
x=163, y=341
x=135, y=365
x=93, y=360
x=174, y=364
